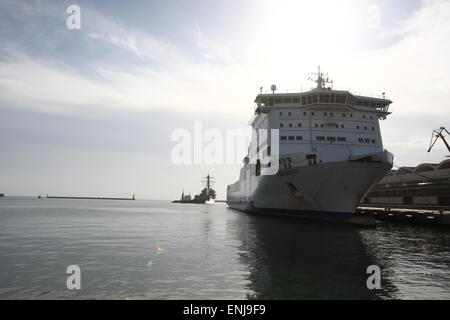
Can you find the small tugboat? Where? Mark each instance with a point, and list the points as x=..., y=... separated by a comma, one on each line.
x=207, y=195
x=184, y=198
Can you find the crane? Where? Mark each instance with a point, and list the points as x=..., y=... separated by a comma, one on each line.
x=436, y=135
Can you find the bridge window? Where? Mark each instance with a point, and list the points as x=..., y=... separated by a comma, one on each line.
x=296, y=100
x=281, y=125
x=290, y=125
x=342, y=126
x=374, y=141
x=361, y=140
x=278, y=100
x=299, y=138
x=299, y=124
x=303, y=100
x=341, y=139
x=324, y=98
x=340, y=98
x=287, y=100
x=309, y=98
x=314, y=98
x=319, y=138
x=283, y=138
x=291, y=138
x=333, y=98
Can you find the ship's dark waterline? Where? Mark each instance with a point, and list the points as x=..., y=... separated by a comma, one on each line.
x=159, y=250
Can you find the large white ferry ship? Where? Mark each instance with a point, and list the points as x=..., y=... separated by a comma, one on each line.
x=330, y=154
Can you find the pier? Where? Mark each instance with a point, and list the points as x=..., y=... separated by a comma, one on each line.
x=433, y=217
x=88, y=198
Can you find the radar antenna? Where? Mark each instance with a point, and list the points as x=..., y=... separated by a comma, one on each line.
x=208, y=181
x=322, y=78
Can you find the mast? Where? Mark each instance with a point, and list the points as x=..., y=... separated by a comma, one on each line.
x=209, y=181
x=321, y=81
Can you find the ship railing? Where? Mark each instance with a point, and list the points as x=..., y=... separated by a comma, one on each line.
x=355, y=93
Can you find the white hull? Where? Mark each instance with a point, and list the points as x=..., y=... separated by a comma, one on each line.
x=328, y=147
x=330, y=190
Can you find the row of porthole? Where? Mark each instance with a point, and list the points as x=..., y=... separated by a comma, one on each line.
x=291, y=138
x=322, y=125
x=325, y=114
x=365, y=140
x=322, y=138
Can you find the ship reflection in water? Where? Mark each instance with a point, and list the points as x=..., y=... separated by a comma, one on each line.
x=292, y=258
x=161, y=250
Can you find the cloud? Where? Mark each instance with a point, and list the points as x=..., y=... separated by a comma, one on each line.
x=25, y=83
x=113, y=154
x=414, y=73
x=161, y=78
x=110, y=68
x=128, y=42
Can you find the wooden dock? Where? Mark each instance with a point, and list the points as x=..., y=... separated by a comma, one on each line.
x=423, y=217
x=434, y=216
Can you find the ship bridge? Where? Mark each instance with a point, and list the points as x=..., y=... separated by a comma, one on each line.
x=322, y=96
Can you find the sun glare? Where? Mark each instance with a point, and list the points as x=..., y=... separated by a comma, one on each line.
x=305, y=32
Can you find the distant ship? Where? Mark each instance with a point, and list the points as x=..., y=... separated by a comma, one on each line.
x=330, y=154
x=207, y=195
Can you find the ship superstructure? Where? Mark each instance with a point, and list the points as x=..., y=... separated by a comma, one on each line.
x=330, y=153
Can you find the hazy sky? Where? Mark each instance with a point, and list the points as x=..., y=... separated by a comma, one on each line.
x=91, y=111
